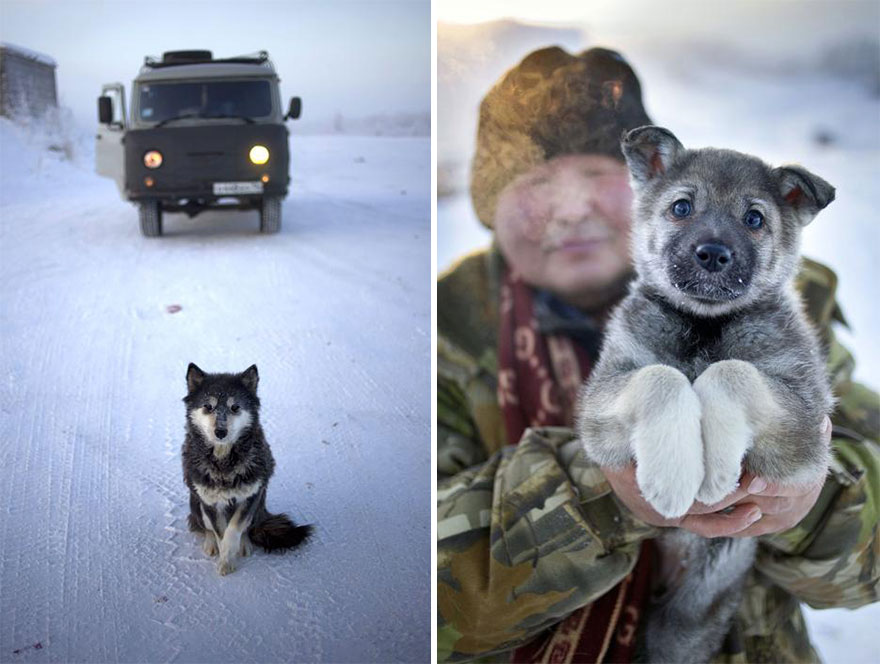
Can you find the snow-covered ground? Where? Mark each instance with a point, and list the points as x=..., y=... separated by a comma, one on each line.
x=96, y=562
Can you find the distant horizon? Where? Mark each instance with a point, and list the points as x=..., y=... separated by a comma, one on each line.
x=357, y=59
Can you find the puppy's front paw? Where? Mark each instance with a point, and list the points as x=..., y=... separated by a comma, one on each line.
x=727, y=433
x=671, y=498
x=718, y=483
x=209, y=545
x=667, y=442
x=225, y=566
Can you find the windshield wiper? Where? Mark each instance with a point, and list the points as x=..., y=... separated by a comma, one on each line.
x=229, y=115
x=177, y=117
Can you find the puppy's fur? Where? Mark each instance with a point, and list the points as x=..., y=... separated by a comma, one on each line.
x=709, y=364
x=227, y=464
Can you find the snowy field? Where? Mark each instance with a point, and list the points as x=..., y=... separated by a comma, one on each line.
x=97, y=564
x=818, y=106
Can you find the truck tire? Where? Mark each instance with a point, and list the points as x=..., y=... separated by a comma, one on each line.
x=150, y=213
x=270, y=214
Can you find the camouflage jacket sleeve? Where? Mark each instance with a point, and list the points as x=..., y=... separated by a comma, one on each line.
x=524, y=539
x=830, y=559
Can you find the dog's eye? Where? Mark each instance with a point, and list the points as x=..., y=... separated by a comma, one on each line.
x=681, y=208
x=235, y=408
x=208, y=408
x=754, y=219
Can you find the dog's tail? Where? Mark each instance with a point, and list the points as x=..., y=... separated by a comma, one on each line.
x=276, y=532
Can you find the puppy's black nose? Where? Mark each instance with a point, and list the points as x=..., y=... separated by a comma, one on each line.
x=713, y=257
x=220, y=433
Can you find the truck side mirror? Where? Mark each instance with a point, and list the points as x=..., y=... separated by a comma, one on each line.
x=105, y=110
x=295, y=109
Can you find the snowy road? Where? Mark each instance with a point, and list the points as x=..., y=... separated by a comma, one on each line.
x=97, y=564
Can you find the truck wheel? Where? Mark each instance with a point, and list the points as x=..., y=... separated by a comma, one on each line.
x=151, y=218
x=270, y=214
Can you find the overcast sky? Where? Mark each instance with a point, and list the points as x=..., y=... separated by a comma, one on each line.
x=357, y=58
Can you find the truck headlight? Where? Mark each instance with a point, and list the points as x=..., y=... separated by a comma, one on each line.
x=153, y=159
x=259, y=154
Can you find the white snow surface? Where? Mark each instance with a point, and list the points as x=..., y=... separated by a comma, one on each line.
x=97, y=563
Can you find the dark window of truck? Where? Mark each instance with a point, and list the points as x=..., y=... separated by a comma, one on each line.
x=161, y=101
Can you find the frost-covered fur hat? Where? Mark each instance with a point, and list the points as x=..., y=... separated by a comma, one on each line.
x=552, y=103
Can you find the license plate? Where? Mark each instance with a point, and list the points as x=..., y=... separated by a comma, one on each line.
x=238, y=188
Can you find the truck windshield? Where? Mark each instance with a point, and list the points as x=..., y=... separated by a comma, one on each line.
x=163, y=101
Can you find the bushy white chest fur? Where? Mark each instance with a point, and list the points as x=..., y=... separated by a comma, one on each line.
x=221, y=496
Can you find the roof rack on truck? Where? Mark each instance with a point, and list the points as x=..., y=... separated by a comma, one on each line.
x=175, y=58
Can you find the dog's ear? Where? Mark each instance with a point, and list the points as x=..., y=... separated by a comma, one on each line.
x=250, y=378
x=805, y=192
x=194, y=377
x=649, y=151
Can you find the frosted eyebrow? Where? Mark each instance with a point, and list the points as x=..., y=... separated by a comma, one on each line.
x=230, y=401
x=212, y=401
x=682, y=190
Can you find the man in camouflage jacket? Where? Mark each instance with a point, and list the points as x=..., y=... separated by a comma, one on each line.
x=529, y=533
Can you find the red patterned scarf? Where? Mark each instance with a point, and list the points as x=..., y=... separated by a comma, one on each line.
x=539, y=376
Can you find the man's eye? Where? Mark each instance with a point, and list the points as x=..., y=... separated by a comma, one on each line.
x=235, y=408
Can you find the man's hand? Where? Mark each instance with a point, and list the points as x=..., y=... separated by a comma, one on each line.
x=756, y=507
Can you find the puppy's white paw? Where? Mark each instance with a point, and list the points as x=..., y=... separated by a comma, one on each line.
x=671, y=498
x=667, y=442
x=720, y=481
x=209, y=545
x=727, y=433
x=225, y=566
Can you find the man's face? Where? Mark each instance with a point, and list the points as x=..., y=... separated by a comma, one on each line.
x=564, y=225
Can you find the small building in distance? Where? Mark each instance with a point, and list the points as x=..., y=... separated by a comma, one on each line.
x=27, y=82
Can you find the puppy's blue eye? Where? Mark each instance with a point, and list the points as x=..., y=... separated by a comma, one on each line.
x=235, y=408
x=754, y=219
x=208, y=408
x=681, y=208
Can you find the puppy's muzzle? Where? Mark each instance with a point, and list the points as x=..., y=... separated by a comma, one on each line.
x=713, y=257
x=220, y=433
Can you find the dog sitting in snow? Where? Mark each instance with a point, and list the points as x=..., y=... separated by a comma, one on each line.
x=227, y=464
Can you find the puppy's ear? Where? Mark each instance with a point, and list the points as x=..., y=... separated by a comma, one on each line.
x=250, y=378
x=649, y=151
x=194, y=377
x=805, y=192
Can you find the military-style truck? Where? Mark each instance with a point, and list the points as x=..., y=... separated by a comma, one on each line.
x=203, y=133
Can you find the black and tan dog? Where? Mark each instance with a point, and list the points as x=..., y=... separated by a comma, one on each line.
x=709, y=364
x=227, y=464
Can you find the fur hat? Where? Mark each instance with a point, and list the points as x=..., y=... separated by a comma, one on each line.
x=552, y=103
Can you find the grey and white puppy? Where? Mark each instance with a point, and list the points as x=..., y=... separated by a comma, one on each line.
x=227, y=464
x=709, y=365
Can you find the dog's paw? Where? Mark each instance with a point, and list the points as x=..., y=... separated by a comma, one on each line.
x=670, y=499
x=225, y=567
x=209, y=545
x=718, y=483
x=667, y=444
x=246, y=547
x=727, y=432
